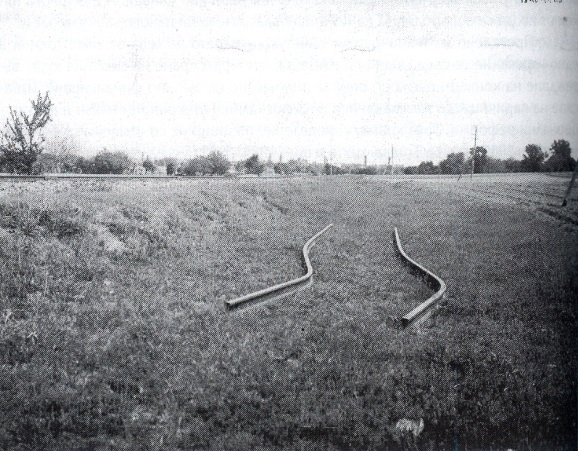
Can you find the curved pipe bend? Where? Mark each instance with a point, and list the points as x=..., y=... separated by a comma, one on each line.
x=432, y=280
x=248, y=297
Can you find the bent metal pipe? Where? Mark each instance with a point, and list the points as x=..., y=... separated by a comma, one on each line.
x=257, y=294
x=424, y=309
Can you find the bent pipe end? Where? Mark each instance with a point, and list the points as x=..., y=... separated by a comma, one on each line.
x=257, y=294
x=431, y=279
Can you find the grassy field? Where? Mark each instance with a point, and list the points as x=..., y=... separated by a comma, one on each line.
x=113, y=332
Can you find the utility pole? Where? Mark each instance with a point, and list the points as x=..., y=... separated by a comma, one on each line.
x=391, y=160
x=474, y=151
x=569, y=190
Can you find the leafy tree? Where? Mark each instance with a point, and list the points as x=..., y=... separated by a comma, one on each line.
x=424, y=168
x=560, y=159
x=19, y=144
x=427, y=167
x=107, y=162
x=149, y=166
x=513, y=165
x=480, y=155
x=45, y=162
x=50, y=162
x=219, y=164
x=60, y=155
x=281, y=168
x=534, y=158
x=453, y=164
x=240, y=166
x=213, y=164
x=495, y=166
x=67, y=161
x=171, y=168
x=85, y=165
x=253, y=165
x=60, y=145
x=200, y=165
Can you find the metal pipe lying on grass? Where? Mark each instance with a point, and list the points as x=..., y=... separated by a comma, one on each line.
x=423, y=310
x=257, y=294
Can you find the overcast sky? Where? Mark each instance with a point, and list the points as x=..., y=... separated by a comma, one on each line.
x=296, y=78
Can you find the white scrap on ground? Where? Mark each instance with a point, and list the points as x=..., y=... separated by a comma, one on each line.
x=415, y=427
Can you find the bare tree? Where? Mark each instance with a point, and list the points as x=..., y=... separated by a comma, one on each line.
x=20, y=143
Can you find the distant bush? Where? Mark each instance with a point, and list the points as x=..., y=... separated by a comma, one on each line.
x=495, y=166
x=453, y=164
x=253, y=165
x=281, y=168
x=297, y=166
x=513, y=165
x=213, y=164
x=424, y=168
x=366, y=170
x=148, y=166
x=107, y=162
x=85, y=165
x=196, y=166
x=63, y=162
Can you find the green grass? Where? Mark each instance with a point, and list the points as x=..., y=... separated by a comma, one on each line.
x=113, y=332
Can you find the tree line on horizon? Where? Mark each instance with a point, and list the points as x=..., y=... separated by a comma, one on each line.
x=534, y=159
x=22, y=146
x=216, y=163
